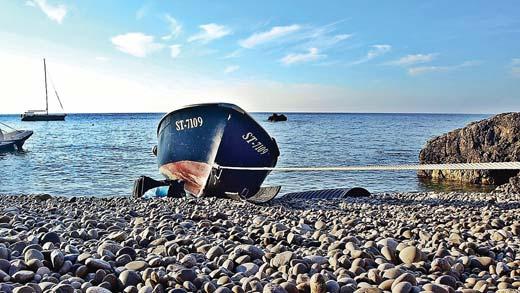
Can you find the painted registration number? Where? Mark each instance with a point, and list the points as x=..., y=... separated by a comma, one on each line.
x=188, y=123
x=253, y=141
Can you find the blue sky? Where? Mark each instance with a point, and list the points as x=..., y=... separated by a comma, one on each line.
x=336, y=56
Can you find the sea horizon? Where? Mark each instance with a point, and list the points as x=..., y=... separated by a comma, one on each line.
x=280, y=112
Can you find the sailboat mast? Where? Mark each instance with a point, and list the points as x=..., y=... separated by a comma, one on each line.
x=46, y=95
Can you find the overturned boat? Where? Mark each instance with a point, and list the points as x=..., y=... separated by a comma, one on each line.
x=195, y=140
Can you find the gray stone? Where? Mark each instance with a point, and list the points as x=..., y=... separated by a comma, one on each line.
x=248, y=269
x=95, y=264
x=136, y=265
x=410, y=255
x=52, y=237
x=318, y=284
x=23, y=276
x=96, y=289
x=186, y=275
x=33, y=254
x=57, y=258
x=282, y=258
x=130, y=278
x=402, y=287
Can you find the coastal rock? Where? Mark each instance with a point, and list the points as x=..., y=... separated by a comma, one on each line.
x=490, y=140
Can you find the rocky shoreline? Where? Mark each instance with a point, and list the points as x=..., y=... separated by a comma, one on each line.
x=490, y=140
x=399, y=242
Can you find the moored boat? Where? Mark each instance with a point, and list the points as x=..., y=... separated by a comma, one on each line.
x=13, y=140
x=44, y=115
x=194, y=140
x=40, y=115
x=277, y=117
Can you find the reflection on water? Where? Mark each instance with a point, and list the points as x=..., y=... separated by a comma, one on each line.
x=13, y=152
x=437, y=185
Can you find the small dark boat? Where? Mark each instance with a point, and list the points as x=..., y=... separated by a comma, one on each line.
x=194, y=140
x=277, y=117
x=43, y=115
x=13, y=140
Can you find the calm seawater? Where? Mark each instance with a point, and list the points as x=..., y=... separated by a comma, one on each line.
x=101, y=154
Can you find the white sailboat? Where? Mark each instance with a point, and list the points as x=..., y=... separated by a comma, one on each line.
x=44, y=115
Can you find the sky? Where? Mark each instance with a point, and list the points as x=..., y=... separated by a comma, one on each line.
x=285, y=56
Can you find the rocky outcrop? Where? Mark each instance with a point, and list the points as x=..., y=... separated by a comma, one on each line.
x=496, y=139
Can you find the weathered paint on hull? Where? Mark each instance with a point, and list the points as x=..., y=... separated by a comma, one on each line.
x=193, y=174
x=193, y=139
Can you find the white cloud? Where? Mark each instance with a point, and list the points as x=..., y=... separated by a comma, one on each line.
x=339, y=38
x=175, y=51
x=136, y=44
x=427, y=69
x=311, y=55
x=210, y=32
x=413, y=59
x=175, y=28
x=323, y=40
x=231, y=69
x=102, y=59
x=267, y=36
x=54, y=12
x=376, y=51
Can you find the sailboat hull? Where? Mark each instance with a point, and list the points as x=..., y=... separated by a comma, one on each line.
x=43, y=117
x=193, y=140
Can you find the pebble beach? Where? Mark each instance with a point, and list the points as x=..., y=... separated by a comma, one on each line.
x=393, y=242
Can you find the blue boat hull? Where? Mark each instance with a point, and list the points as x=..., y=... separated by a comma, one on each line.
x=14, y=140
x=193, y=140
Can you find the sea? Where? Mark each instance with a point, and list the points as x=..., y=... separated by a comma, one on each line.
x=101, y=154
